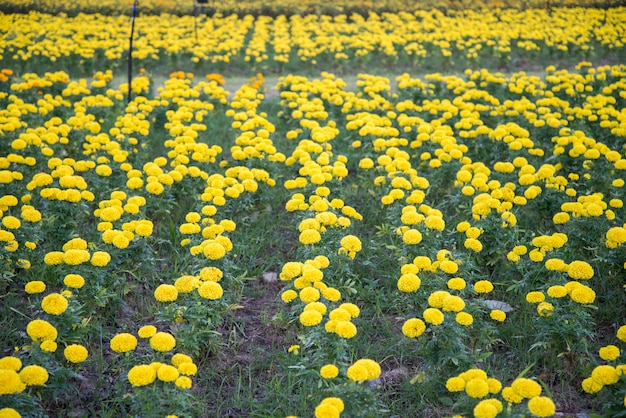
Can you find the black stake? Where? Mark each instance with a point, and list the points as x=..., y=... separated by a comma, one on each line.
x=130, y=51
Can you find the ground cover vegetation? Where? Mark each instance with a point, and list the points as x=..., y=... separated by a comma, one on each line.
x=424, y=244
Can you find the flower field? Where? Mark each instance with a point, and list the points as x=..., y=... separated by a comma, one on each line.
x=423, y=244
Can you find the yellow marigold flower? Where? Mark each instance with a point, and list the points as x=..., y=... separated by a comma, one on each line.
x=408, y=283
x=561, y=218
x=167, y=373
x=448, y=266
x=54, y=304
x=412, y=237
x=357, y=372
x=123, y=342
x=183, y=382
x=338, y=314
x=331, y=294
x=351, y=308
x=484, y=409
x=433, y=316
x=74, y=257
x=9, y=413
x=34, y=375
x=609, y=352
x=180, y=358
x=188, y=369
x=100, y=258
x=557, y=291
x=556, y=264
x=545, y=309
x=621, y=333
x=329, y=371
x=326, y=410
x=477, y=388
x=373, y=368
x=162, y=341
x=310, y=318
x=35, y=286
x=147, y=331
x=483, y=286
x=214, y=251
x=351, y=243
x=40, y=330
x=583, y=295
x=464, y=318
x=309, y=294
x=211, y=290
x=186, y=284
x=11, y=222
x=75, y=353
x=605, y=375
x=497, y=315
x=212, y=274
x=591, y=386
x=10, y=382
x=53, y=258
x=310, y=236
x=413, y=327
x=455, y=384
x=10, y=363
x=453, y=303
x=166, y=293
x=494, y=385
x=456, y=283
x=75, y=281
x=345, y=329
x=473, y=244
x=141, y=375
x=288, y=295
x=435, y=299
x=535, y=297
x=580, y=270
x=526, y=388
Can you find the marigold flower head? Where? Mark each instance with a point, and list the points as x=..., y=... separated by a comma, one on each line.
x=34, y=375
x=187, y=369
x=9, y=413
x=147, y=331
x=464, y=318
x=310, y=318
x=167, y=373
x=580, y=270
x=485, y=409
x=35, y=286
x=621, y=333
x=535, y=297
x=609, y=352
x=412, y=237
x=526, y=388
x=75, y=353
x=10, y=363
x=456, y=283
x=455, y=384
x=210, y=290
x=123, y=342
x=483, y=286
x=477, y=388
x=10, y=382
x=605, y=375
x=408, y=283
x=54, y=304
x=329, y=371
x=166, y=293
x=583, y=295
x=497, y=315
x=345, y=329
x=75, y=281
x=162, y=341
x=557, y=291
x=309, y=294
x=433, y=316
x=142, y=375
